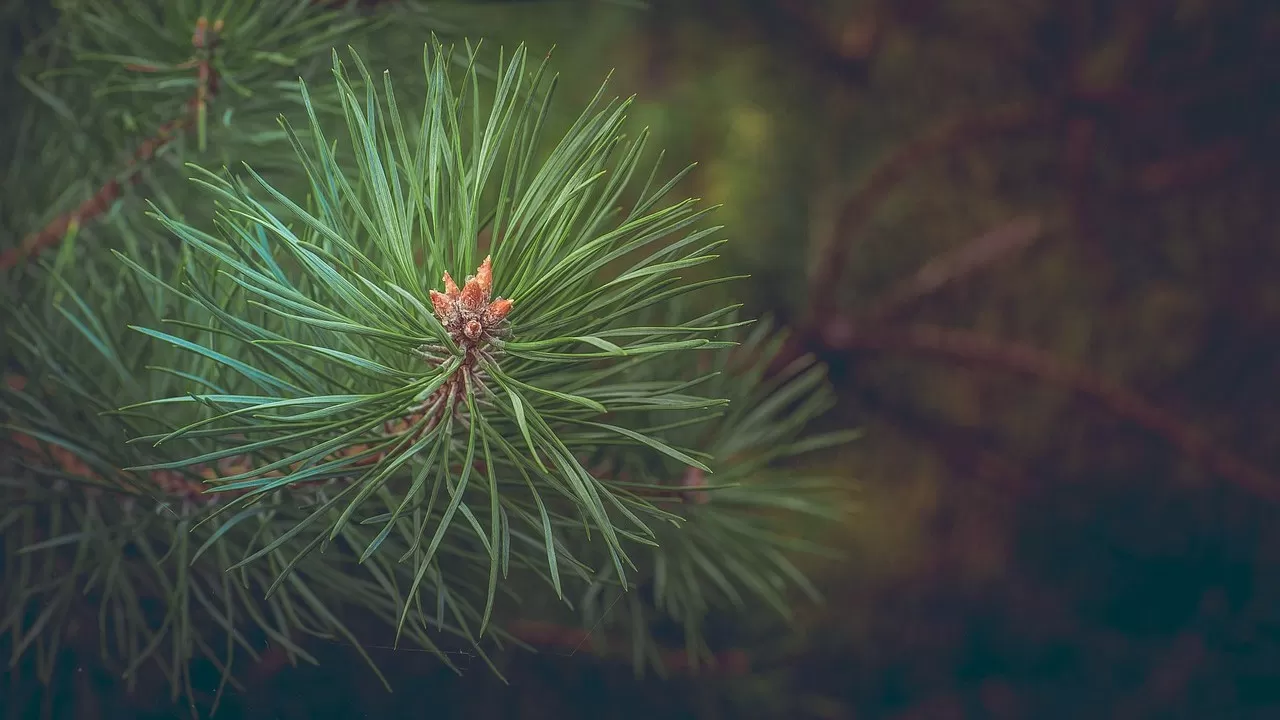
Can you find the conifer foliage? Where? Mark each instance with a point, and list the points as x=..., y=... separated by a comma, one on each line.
x=414, y=350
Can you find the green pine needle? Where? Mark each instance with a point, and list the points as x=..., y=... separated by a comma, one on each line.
x=247, y=405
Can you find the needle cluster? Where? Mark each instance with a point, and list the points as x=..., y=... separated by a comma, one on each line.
x=261, y=358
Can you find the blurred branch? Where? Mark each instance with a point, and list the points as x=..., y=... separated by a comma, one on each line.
x=1198, y=166
x=99, y=203
x=945, y=269
x=974, y=451
x=984, y=352
x=968, y=347
x=204, y=41
x=831, y=258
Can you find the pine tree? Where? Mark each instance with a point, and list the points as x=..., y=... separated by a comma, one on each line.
x=287, y=339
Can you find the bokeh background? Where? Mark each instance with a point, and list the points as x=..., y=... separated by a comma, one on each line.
x=1038, y=243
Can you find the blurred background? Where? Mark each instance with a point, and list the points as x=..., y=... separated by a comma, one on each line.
x=1038, y=243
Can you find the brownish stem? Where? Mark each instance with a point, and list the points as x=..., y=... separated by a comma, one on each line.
x=950, y=267
x=97, y=204
x=985, y=352
x=203, y=39
x=1199, y=166
x=833, y=255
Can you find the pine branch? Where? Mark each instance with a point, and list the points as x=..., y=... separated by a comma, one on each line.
x=968, y=346
x=100, y=202
x=948, y=268
x=204, y=41
x=831, y=258
x=987, y=353
x=310, y=386
x=341, y=364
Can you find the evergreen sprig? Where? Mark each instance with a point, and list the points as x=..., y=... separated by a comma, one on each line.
x=174, y=59
x=80, y=525
x=127, y=87
x=347, y=364
x=270, y=404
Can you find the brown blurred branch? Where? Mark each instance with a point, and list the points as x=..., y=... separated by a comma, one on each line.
x=97, y=204
x=820, y=332
x=975, y=452
x=204, y=40
x=988, y=353
x=1198, y=166
x=832, y=256
x=949, y=267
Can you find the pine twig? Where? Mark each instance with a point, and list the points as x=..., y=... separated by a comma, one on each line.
x=97, y=204
x=1199, y=166
x=981, y=350
x=947, y=268
x=204, y=40
x=833, y=255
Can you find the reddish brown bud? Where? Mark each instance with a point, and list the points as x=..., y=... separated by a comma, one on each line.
x=484, y=275
x=442, y=304
x=473, y=296
x=467, y=314
x=498, y=309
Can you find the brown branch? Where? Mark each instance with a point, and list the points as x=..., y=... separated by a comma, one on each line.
x=972, y=450
x=986, y=352
x=99, y=203
x=205, y=41
x=950, y=267
x=831, y=257
x=1199, y=166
